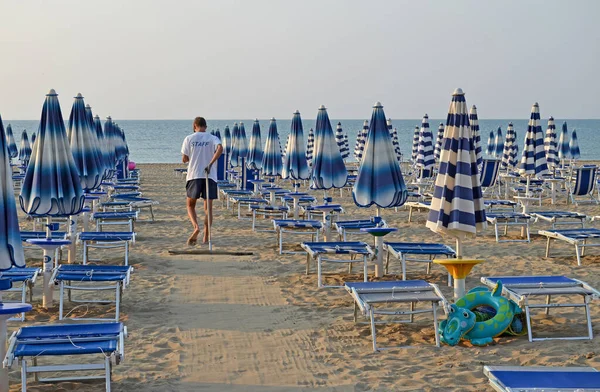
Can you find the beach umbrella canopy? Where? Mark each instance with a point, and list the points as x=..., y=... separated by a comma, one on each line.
x=574, y=146
x=341, y=141
x=121, y=150
x=474, y=121
x=218, y=134
x=109, y=143
x=32, y=139
x=491, y=146
x=457, y=207
x=255, y=149
x=226, y=140
x=361, y=139
x=564, y=151
x=425, y=158
x=438, y=142
x=379, y=181
x=83, y=142
x=11, y=247
x=329, y=170
x=499, y=143
x=295, y=165
x=12, y=145
x=272, y=164
x=533, y=159
x=25, y=148
x=51, y=186
x=310, y=146
x=509, y=156
x=239, y=145
x=394, y=137
x=415, y=144
x=103, y=147
x=550, y=144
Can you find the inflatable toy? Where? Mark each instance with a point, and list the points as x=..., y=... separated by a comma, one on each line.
x=131, y=165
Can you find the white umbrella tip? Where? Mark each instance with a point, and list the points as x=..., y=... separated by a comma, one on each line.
x=536, y=104
x=272, y=118
x=551, y=118
x=255, y=120
x=87, y=106
x=425, y=116
x=79, y=95
x=298, y=111
x=52, y=92
x=378, y=105
x=458, y=91
x=366, y=123
x=322, y=107
x=339, y=125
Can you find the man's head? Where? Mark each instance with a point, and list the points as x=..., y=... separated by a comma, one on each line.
x=199, y=124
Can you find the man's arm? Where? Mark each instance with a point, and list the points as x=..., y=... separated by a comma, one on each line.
x=215, y=157
x=185, y=158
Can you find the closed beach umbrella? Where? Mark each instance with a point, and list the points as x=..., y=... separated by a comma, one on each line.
x=12, y=145
x=103, y=147
x=394, y=137
x=574, y=146
x=564, y=151
x=310, y=146
x=25, y=149
x=92, y=126
x=32, y=139
x=491, y=146
x=550, y=144
x=509, y=156
x=361, y=139
x=499, y=143
x=425, y=158
x=255, y=149
x=415, y=144
x=82, y=139
x=272, y=164
x=226, y=140
x=474, y=121
x=341, y=141
x=238, y=153
x=295, y=166
x=329, y=170
x=109, y=143
x=218, y=134
x=533, y=159
x=11, y=247
x=438, y=142
x=457, y=207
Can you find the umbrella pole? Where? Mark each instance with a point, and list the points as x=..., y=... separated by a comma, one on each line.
x=379, y=250
x=72, y=234
x=459, y=284
x=208, y=217
x=326, y=220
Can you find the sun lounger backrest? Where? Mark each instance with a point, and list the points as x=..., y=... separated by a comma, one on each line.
x=584, y=181
x=489, y=172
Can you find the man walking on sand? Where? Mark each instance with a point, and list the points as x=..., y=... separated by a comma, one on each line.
x=201, y=150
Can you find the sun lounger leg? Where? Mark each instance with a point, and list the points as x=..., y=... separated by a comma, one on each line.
x=355, y=312
x=528, y=320
x=496, y=232
x=548, y=248
x=435, y=324
x=410, y=214
x=61, y=300
x=307, y=263
x=373, y=331
x=548, y=297
x=280, y=241
x=577, y=252
x=23, y=375
x=126, y=252
x=403, y=262
x=118, y=301
x=85, y=252
x=107, y=374
x=589, y=320
x=366, y=275
x=387, y=262
x=412, y=308
x=319, y=277
x=583, y=248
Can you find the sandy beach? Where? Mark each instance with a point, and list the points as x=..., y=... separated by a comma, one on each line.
x=259, y=323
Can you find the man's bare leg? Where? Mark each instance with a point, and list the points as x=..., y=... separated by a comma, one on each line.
x=191, y=210
x=207, y=211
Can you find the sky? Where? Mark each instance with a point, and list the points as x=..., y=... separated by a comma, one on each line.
x=154, y=59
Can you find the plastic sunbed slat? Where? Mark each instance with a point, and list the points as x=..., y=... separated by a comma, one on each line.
x=83, y=277
x=549, y=379
x=420, y=248
x=356, y=247
x=106, y=236
x=30, y=235
x=508, y=281
x=73, y=331
x=76, y=348
x=387, y=286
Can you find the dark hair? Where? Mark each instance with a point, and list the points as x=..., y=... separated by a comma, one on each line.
x=200, y=122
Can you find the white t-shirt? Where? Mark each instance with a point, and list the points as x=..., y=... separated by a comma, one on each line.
x=200, y=147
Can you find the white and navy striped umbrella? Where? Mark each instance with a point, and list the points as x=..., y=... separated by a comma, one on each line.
x=51, y=186
x=425, y=158
x=457, y=207
x=11, y=247
x=574, y=146
x=295, y=166
x=32, y=139
x=341, y=141
x=104, y=148
x=218, y=134
x=533, y=159
x=239, y=145
x=13, y=152
x=84, y=147
x=379, y=180
x=509, y=156
x=395, y=142
x=564, y=151
x=272, y=164
x=226, y=141
x=25, y=149
x=109, y=142
x=438, y=142
x=361, y=139
x=310, y=146
x=474, y=121
x=550, y=144
x=255, y=149
x=346, y=144
x=92, y=125
x=415, y=144
x=499, y=143
x=121, y=149
x=491, y=146
x=329, y=170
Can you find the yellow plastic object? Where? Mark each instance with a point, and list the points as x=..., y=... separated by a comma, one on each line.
x=458, y=268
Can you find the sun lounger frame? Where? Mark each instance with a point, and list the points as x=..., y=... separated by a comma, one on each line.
x=402, y=250
x=509, y=219
x=499, y=386
x=580, y=243
x=574, y=218
x=303, y=227
x=108, y=243
x=267, y=213
x=317, y=251
x=416, y=205
x=25, y=283
x=116, y=218
x=344, y=228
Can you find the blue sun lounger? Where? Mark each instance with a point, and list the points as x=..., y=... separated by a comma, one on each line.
x=100, y=340
x=106, y=239
x=353, y=226
x=506, y=219
x=266, y=211
x=71, y=277
x=369, y=296
x=245, y=201
x=523, y=289
x=418, y=206
x=319, y=250
x=401, y=251
x=560, y=218
x=295, y=226
x=115, y=218
x=547, y=379
x=313, y=212
x=495, y=205
x=581, y=238
x=22, y=279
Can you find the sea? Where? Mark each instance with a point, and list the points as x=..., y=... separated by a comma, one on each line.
x=159, y=141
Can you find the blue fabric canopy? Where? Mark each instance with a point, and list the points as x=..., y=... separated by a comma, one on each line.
x=32, y=139
x=379, y=179
x=310, y=146
x=218, y=134
x=425, y=159
x=415, y=144
x=226, y=141
x=499, y=143
x=474, y=121
x=341, y=141
x=239, y=145
x=295, y=166
x=574, y=146
x=329, y=170
x=51, y=186
x=491, y=145
x=361, y=138
x=255, y=149
x=533, y=159
x=509, y=156
x=394, y=138
x=25, y=149
x=550, y=144
x=438, y=142
x=564, y=151
x=12, y=145
x=272, y=164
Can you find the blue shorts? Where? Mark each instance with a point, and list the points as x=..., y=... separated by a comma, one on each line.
x=196, y=189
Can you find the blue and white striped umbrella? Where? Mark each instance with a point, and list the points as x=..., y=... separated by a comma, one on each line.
x=533, y=159
x=239, y=147
x=329, y=170
x=438, y=142
x=499, y=144
x=272, y=163
x=13, y=152
x=474, y=121
x=564, y=151
x=109, y=143
x=550, y=144
x=379, y=179
x=226, y=141
x=574, y=146
x=83, y=142
x=295, y=166
x=218, y=134
x=51, y=186
x=310, y=147
x=361, y=138
x=415, y=144
x=425, y=158
x=347, y=144
x=25, y=149
x=11, y=247
x=491, y=145
x=457, y=207
x=32, y=139
x=394, y=137
x=509, y=156
x=255, y=150
x=103, y=148
x=121, y=149
x=341, y=141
